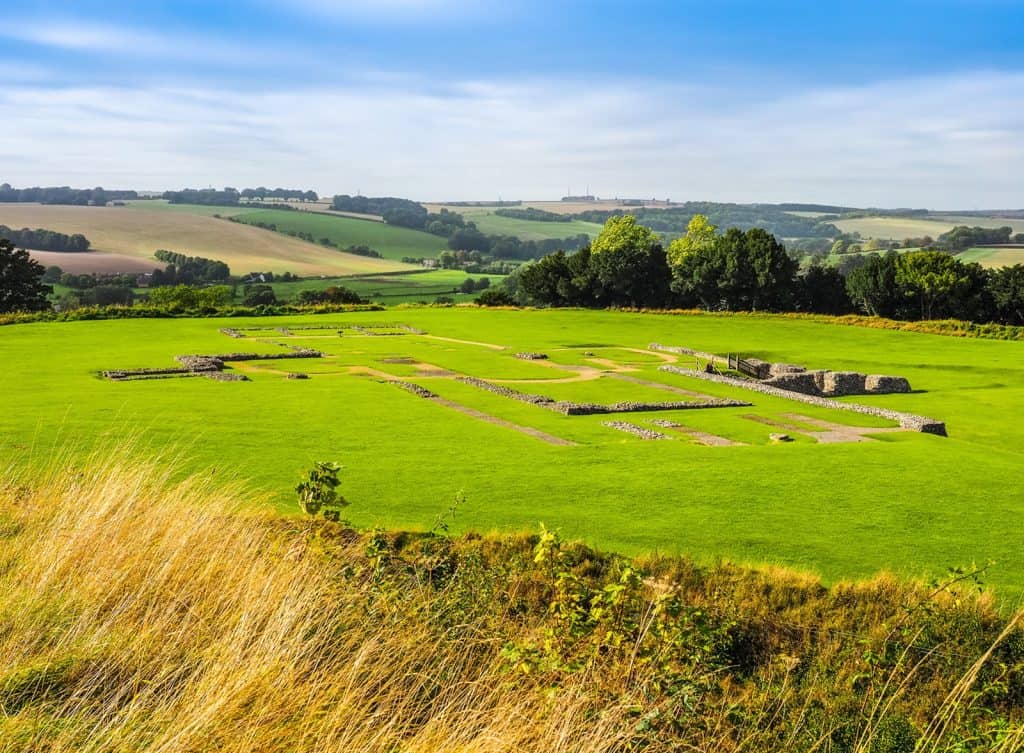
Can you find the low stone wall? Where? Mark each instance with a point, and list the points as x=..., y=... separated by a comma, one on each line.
x=905, y=420
x=637, y=431
x=122, y=375
x=226, y=376
x=679, y=350
x=568, y=408
x=413, y=388
x=804, y=383
x=231, y=332
x=299, y=353
x=297, y=375
x=532, y=356
x=201, y=363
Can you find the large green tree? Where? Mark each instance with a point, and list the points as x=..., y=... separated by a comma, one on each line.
x=628, y=265
x=740, y=271
x=1007, y=289
x=935, y=281
x=700, y=235
x=872, y=287
x=21, y=281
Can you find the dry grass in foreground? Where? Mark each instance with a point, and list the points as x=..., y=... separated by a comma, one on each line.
x=141, y=615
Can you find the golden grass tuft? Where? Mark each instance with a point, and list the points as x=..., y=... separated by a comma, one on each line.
x=141, y=614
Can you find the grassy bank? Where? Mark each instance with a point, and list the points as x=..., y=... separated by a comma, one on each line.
x=141, y=615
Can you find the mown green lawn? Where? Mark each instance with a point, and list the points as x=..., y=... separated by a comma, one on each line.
x=910, y=503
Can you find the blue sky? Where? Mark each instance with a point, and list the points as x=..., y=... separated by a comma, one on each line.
x=881, y=104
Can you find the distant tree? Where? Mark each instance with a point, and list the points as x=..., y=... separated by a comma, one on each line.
x=483, y=283
x=1006, y=287
x=495, y=297
x=822, y=290
x=872, y=287
x=335, y=294
x=623, y=233
x=259, y=295
x=21, y=286
x=546, y=282
x=107, y=295
x=469, y=239
x=741, y=271
x=700, y=234
x=52, y=275
x=468, y=285
x=628, y=265
x=933, y=279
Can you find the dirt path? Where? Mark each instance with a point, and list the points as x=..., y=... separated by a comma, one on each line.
x=826, y=432
x=702, y=437
x=666, y=357
x=535, y=433
x=492, y=346
x=659, y=386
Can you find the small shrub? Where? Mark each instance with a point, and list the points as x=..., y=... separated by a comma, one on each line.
x=318, y=493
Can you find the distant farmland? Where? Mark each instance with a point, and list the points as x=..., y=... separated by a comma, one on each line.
x=528, y=230
x=898, y=228
x=994, y=257
x=137, y=233
x=390, y=241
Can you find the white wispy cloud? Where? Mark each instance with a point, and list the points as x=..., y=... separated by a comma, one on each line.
x=423, y=14
x=120, y=41
x=952, y=141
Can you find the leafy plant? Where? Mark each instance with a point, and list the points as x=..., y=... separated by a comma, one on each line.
x=318, y=493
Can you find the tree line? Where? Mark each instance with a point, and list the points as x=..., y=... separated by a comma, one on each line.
x=229, y=197
x=675, y=219
x=45, y=240
x=750, y=270
x=63, y=195
x=533, y=214
x=188, y=270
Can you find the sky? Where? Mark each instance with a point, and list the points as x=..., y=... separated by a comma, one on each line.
x=881, y=104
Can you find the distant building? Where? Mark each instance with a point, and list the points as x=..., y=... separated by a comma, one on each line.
x=588, y=197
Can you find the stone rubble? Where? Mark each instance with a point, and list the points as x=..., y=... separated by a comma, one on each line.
x=635, y=430
x=567, y=408
x=905, y=420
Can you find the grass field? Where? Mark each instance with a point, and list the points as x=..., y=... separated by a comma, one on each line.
x=137, y=233
x=528, y=230
x=390, y=241
x=898, y=228
x=391, y=289
x=993, y=257
x=908, y=502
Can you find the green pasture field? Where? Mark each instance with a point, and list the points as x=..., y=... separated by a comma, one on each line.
x=993, y=257
x=162, y=205
x=528, y=230
x=391, y=289
x=898, y=228
x=902, y=501
x=390, y=241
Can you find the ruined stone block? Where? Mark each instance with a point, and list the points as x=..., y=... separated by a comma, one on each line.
x=839, y=383
x=879, y=384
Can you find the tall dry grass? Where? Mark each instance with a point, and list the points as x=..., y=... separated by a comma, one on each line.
x=138, y=614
